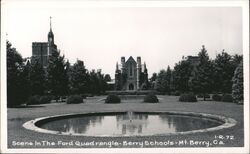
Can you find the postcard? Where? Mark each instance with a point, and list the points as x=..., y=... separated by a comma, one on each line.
x=124, y=76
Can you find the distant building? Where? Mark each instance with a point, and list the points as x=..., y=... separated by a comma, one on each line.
x=42, y=50
x=131, y=75
x=194, y=60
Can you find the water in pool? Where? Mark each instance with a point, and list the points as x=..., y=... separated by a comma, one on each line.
x=129, y=124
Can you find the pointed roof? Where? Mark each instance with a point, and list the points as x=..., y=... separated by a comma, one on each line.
x=130, y=59
x=50, y=23
x=50, y=30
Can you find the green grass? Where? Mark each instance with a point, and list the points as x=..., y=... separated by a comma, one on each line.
x=17, y=116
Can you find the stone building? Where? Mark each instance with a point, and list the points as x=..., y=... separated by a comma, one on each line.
x=42, y=50
x=131, y=75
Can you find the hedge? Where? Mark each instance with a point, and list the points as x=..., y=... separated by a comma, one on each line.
x=74, y=99
x=112, y=99
x=187, y=98
x=151, y=98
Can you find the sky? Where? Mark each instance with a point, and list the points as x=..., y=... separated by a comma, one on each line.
x=101, y=35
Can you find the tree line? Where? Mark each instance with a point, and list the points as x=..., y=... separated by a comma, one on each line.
x=202, y=77
x=28, y=78
x=222, y=75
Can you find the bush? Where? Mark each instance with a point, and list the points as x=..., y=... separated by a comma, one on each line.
x=32, y=100
x=227, y=98
x=151, y=98
x=113, y=99
x=187, y=98
x=84, y=96
x=216, y=97
x=44, y=99
x=202, y=96
x=74, y=99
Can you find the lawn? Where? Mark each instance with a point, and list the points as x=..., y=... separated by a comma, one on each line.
x=233, y=137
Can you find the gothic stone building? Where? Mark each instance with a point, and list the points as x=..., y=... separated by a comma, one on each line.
x=131, y=75
x=42, y=50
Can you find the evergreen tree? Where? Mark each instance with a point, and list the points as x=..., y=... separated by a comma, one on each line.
x=224, y=70
x=57, y=75
x=102, y=84
x=36, y=78
x=160, y=82
x=93, y=82
x=163, y=81
x=152, y=81
x=168, y=79
x=236, y=60
x=182, y=73
x=238, y=86
x=202, y=81
x=78, y=78
x=16, y=80
x=26, y=76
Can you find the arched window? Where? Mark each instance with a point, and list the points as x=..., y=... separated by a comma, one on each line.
x=130, y=70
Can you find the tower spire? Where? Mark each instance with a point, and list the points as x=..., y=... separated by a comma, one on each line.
x=50, y=34
x=50, y=23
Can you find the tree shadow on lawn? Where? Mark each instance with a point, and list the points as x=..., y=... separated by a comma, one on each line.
x=28, y=106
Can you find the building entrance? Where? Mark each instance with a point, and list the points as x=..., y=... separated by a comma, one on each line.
x=131, y=86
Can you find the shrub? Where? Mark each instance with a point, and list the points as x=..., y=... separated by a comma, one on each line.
x=84, y=96
x=202, y=96
x=151, y=98
x=216, y=97
x=44, y=99
x=187, y=98
x=227, y=98
x=74, y=99
x=113, y=99
x=32, y=100
x=237, y=87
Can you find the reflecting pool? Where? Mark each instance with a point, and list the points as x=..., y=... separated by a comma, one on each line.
x=129, y=123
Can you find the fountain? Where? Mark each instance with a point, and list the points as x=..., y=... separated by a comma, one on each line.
x=129, y=123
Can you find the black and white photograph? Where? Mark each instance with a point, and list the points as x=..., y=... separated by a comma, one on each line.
x=142, y=76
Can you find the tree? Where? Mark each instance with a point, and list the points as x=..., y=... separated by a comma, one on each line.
x=107, y=78
x=163, y=81
x=202, y=79
x=16, y=80
x=102, y=84
x=93, y=82
x=182, y=73
x=152, y=81
x=26, y=76
x=36, y=78
x=78, y=78
x=57, y=75
x=224, y=70
x=168, y=79
x=238, y=86
x=236, y=60
x=160, y=82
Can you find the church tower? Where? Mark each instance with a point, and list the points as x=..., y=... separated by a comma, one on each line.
x=51, y=44
x=42, y=50
x=50, y=35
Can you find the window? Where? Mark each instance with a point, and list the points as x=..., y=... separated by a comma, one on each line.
x=130, y=70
